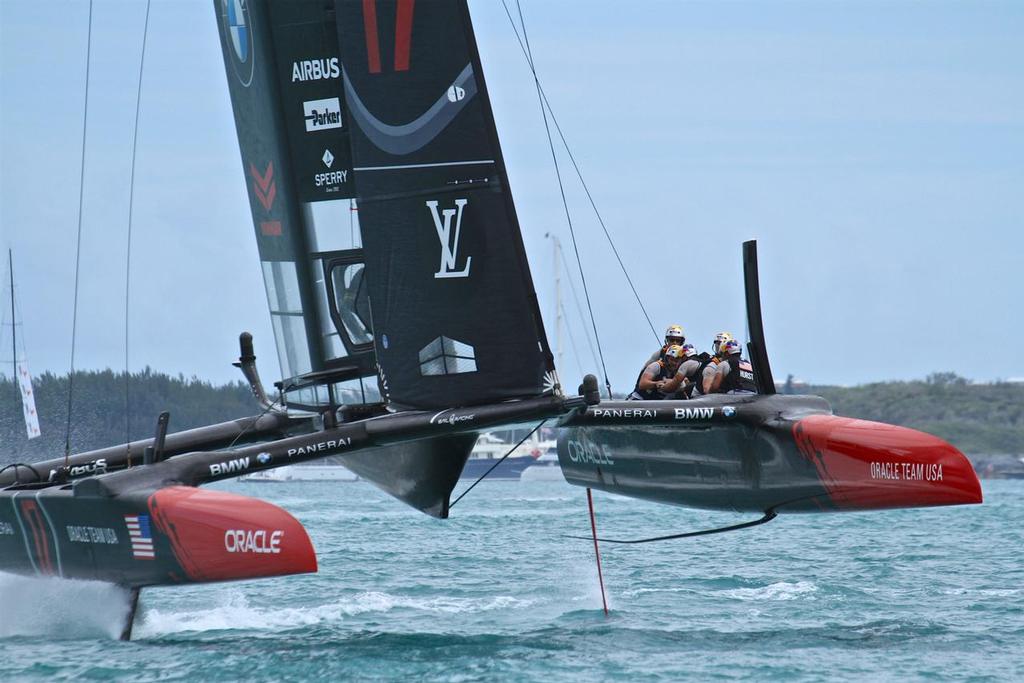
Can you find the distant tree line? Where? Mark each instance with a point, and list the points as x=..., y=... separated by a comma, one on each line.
x=977, y=418
x=99, y=416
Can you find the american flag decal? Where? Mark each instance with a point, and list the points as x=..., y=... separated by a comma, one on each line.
x=141, y=536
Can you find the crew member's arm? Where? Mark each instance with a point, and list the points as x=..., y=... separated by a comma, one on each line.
x=648, y=380
x=720, y=373
x=708, y=377
x=672, y=385
x=681, y=378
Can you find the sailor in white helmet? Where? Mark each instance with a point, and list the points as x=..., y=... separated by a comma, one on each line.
x=680, y=386
x=710, y=363
x=673, y=337
x=734, y=375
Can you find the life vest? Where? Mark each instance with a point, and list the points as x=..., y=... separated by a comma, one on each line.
x=652, y=394
x=740, y=377
x=705, y=359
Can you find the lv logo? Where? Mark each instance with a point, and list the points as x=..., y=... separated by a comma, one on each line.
x=449, y=239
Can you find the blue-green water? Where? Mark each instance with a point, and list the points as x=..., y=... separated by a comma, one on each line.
x=496, y=593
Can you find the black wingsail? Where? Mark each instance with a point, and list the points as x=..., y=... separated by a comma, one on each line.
x=284, y=76
x=455, y=315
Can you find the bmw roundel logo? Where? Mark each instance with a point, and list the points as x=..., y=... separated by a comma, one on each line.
x=728, y=411
x=239, y=35
x=263, y=458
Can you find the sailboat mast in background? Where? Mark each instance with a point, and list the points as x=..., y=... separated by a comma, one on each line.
x=21, y=374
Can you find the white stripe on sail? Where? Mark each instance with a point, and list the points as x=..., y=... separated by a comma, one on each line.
x=477, y=162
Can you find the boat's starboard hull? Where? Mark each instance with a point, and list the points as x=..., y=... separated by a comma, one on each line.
x=760, y=453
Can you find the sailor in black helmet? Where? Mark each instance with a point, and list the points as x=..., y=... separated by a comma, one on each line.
x=673, y=337
x=734, y=375
x=656, y=375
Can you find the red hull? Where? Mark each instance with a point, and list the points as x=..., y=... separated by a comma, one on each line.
x=870, y=466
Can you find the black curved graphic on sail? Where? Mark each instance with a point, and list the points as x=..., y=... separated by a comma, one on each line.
x=412, y=136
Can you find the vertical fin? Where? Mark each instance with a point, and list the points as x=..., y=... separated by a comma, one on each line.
x=756, y=346
x=129, y=620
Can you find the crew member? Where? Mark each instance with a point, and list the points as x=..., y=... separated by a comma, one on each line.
x=673, y=337
x=686, y=376
x=733, y=374
x=656, y=375
x=709, y=363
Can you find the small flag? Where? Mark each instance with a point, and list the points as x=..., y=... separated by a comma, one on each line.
x=28, y=401
x=141, y=536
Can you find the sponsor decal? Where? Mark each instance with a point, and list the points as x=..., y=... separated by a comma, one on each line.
x=270, y=228
x=449, y=240
x=322, y=114
x=98, y=466
x=91, y=534
x=728, y=411
x=315, y=69
x=694, y=413
x=906, y=471
x=141, y=536
x=238, y=27
x=455, y=93
x=320, y=447
x=256, y=541
x=229, y=467
x=584, y=451
x=264, y=186
x=264, y=458
x=331, y=180
x=625, y=412
x=451, y=419
x=6, y=529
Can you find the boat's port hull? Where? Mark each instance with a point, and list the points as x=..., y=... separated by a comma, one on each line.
x=174, y=535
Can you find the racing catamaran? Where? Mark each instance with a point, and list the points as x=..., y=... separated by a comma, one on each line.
x=383, y=102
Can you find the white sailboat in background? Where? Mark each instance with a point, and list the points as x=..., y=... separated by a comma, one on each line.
x=21, y=373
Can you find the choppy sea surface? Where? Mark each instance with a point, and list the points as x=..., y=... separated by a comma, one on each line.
x=498, y=593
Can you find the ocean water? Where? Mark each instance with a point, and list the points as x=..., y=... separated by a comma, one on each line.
x=498, y=593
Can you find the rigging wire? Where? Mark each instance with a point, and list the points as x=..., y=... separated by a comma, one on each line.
x=576, y=300
x=561, y=187
x=78, y=247
x=500, y=460
x=572, y=339
x=128, y=258
x=579, y=173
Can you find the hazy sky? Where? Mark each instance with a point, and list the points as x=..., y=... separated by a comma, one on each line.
x=875, y=150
